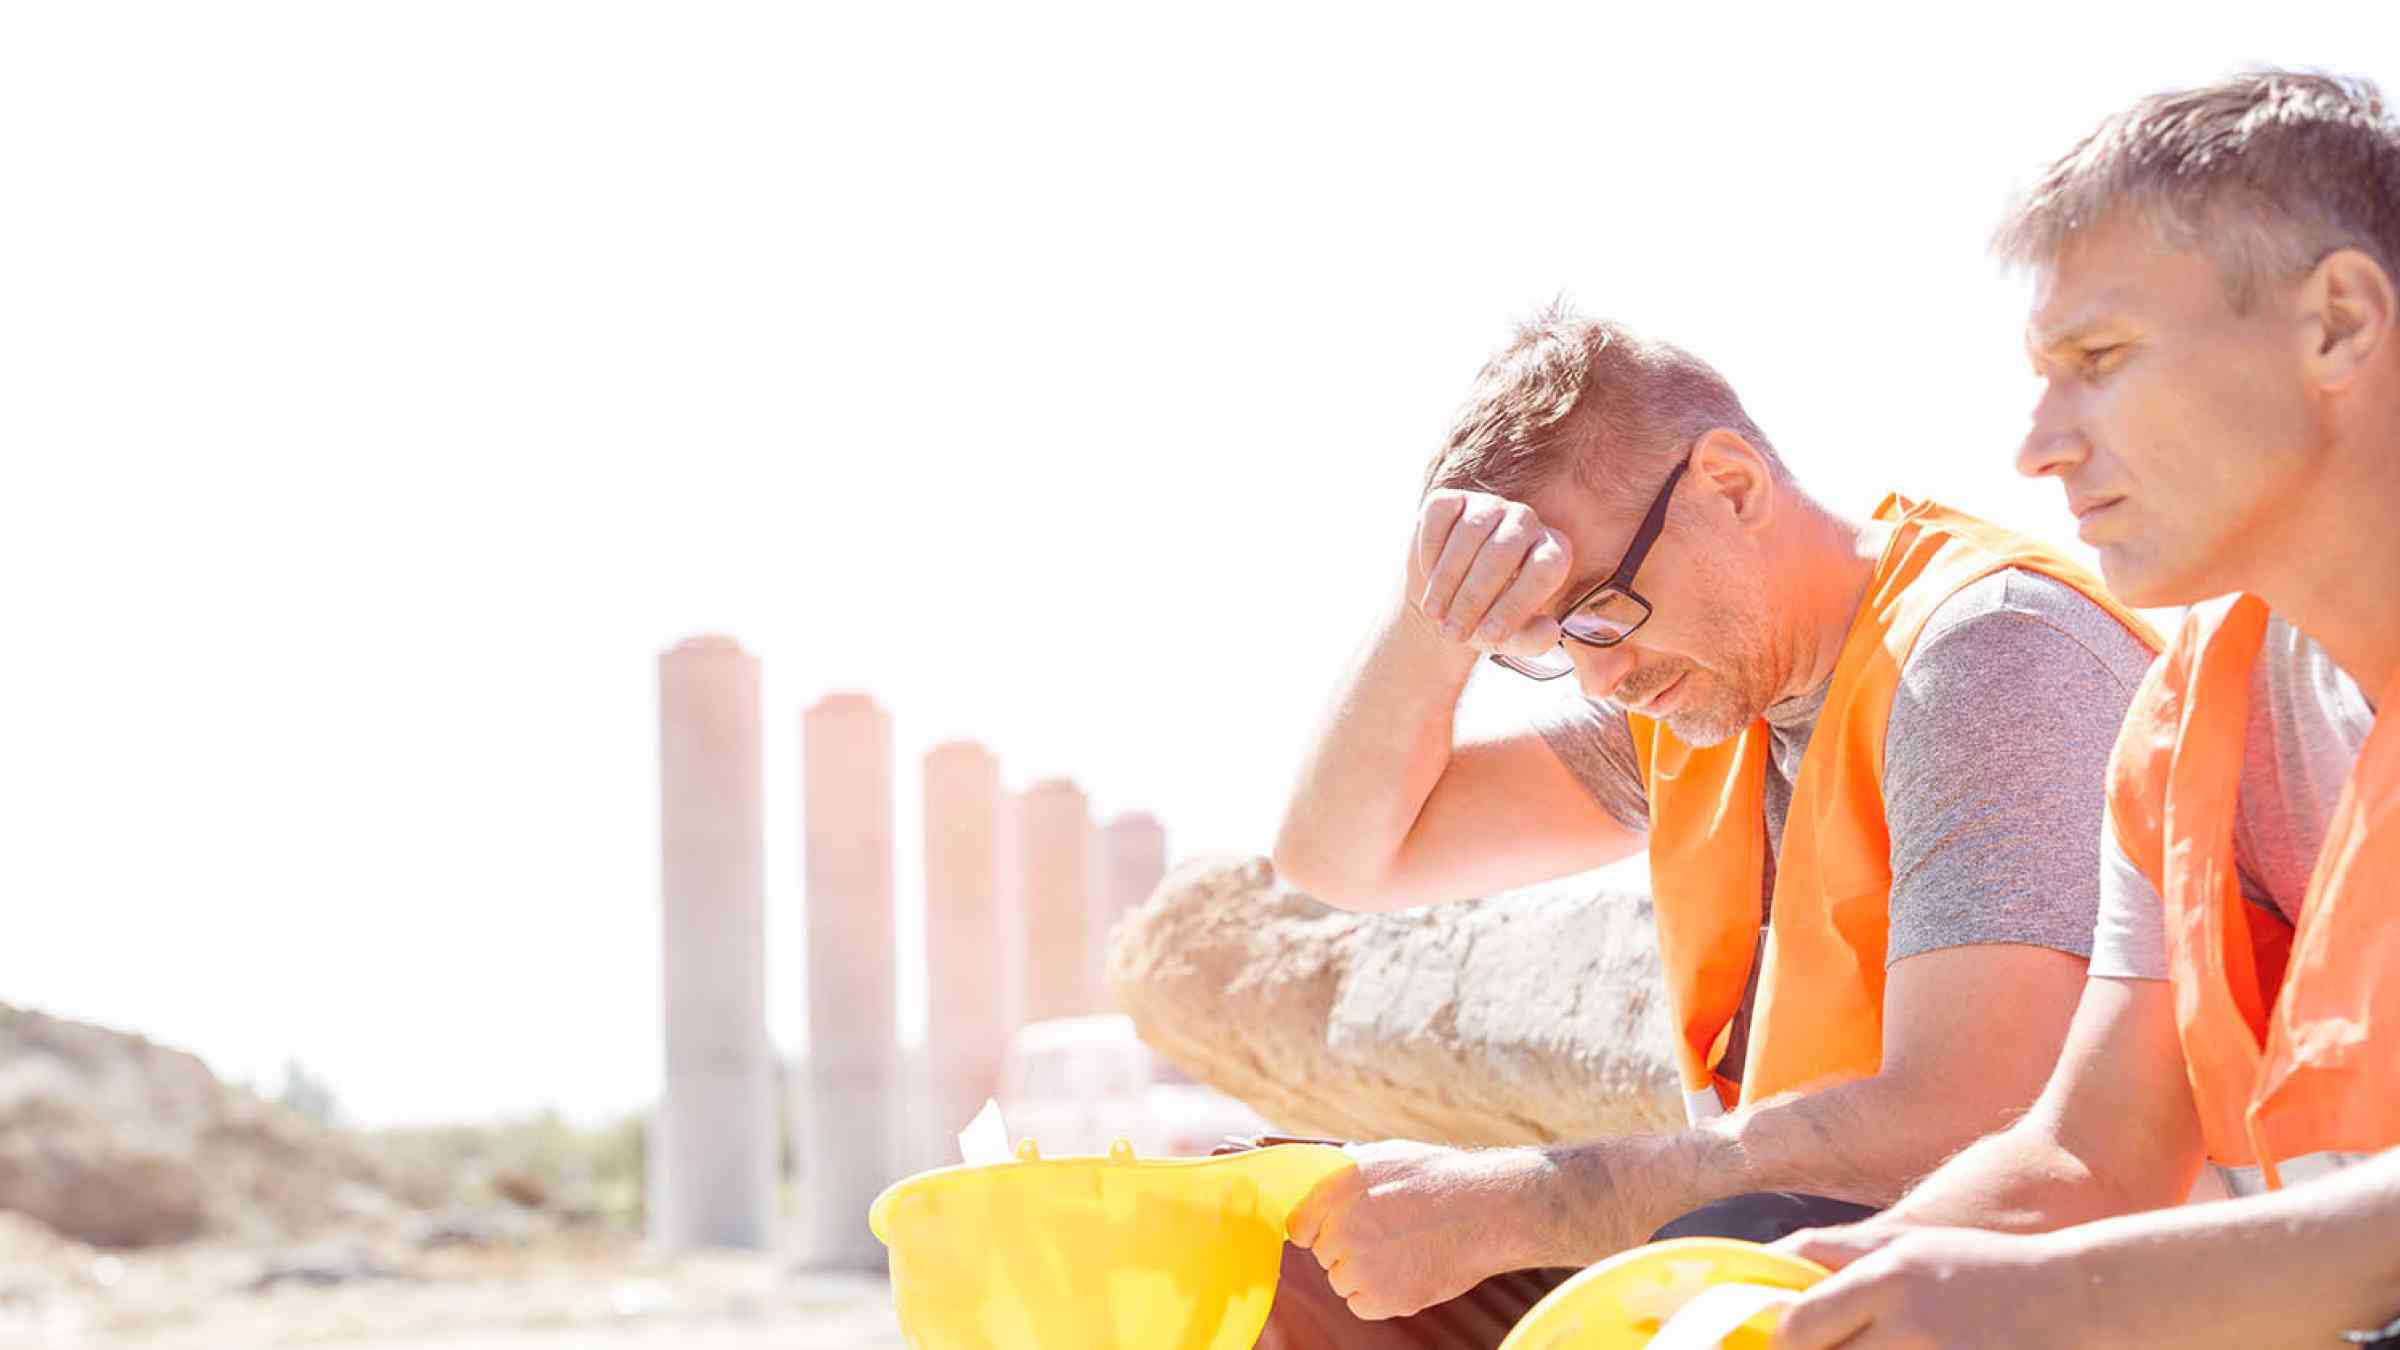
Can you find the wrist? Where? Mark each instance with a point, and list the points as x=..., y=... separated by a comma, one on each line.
x=1408, y=625
x=1526, y=1183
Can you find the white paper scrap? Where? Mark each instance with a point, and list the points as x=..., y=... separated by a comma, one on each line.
x=1716, y=1313
x=985, y=1140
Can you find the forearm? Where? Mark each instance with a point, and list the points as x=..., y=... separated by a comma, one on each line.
x=2114, y=1131
x=2020, y=1180
x=1376, y=759
x=1864, y=1141
x=2297, y=1267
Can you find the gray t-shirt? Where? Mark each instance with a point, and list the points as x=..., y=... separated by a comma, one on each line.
x=2307, y=724
x=1995, y=759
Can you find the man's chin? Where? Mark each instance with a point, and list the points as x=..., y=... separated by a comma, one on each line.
x=1704, y=727
x=2139, y=578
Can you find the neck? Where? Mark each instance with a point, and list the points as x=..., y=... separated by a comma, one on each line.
x=1823, y=577
x=2335, y=568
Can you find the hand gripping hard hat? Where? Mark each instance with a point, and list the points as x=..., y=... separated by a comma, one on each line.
x=1090, y=1253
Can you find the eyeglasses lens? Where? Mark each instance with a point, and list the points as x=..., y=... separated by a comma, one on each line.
x=1607, y=618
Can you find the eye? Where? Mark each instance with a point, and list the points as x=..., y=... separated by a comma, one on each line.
x=2102, y=359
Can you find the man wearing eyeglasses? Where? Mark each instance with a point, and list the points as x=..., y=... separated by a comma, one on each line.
x=1866, y=758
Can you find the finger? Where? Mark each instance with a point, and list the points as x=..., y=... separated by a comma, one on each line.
x=1305, y=1226
x=1839, y=1312
x=1434, y=520
x=1333, y=1235
x=1527, y=594
x=1834, y=1248
x=1534, y=638
x=1495, y=568
x=1365, y=1303
x=1367, y=1308
x=1475, y=524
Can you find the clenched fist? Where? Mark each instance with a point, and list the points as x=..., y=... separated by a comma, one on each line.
x=1415, y=1224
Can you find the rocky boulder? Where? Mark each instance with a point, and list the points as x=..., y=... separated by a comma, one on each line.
x=1529, y=1017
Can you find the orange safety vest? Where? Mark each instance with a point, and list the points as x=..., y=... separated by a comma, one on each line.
x=2289, y=1035
x=1819, y=1015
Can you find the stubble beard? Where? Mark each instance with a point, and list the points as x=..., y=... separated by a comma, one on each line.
x=1733, y=699
x=1712, y=722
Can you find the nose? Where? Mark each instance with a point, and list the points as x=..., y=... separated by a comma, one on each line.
x=2053, y=443
x=1599, y=670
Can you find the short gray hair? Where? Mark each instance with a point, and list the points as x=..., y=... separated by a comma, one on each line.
x=2267, y=171
x=1590, y=397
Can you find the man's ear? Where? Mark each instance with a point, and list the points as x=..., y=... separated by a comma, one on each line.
x=1732, y=469
x=2351, y=310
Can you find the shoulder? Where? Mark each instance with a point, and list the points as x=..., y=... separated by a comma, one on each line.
x=2018, y=643
x=2013, y=610
x=2308, y=693
x=2022, y=676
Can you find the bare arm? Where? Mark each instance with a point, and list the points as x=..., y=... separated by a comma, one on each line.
x=1388, y=813
x=2114, y=1131
x=1970, y=1033
x=2298, y=1267
x=1968, y=1040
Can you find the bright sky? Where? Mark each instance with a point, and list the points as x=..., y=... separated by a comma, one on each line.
x=382, y=387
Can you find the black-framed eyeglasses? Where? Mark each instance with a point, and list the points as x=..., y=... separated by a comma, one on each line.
x=1608, y=613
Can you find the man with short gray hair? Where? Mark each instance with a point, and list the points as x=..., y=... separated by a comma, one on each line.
x=1865, y=756
x=2217, y=324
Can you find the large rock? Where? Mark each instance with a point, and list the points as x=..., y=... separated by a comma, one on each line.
x=1529, y=1017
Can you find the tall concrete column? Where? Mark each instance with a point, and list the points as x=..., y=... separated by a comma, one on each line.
x=712, y=1152
x=968, y=987
x=1055, y=883
x=854, y=1073
x=1133, y=858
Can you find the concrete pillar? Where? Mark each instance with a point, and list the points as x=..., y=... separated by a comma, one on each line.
x=1133, y=858
x=848, y=1152
x=1055, y=884
x=969, y=988
x=712, y=1150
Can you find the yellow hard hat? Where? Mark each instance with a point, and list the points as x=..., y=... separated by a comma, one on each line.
x=1114, y=1253
x=1622, y=1303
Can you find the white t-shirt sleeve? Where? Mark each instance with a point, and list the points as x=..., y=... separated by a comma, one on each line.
x=2129, y=940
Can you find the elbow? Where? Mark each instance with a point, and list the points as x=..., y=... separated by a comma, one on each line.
x=1304, y=870
x=1319, y=875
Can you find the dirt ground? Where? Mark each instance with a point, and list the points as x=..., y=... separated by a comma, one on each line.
x=560, y=1292
x=145, y=1204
